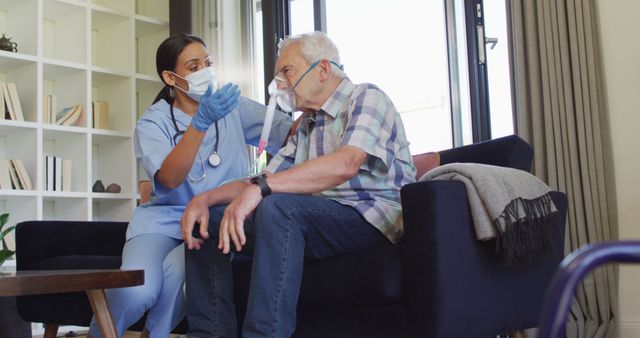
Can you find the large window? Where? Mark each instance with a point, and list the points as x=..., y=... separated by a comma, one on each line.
x=302, y=16
x=426, y=56
x=399, y=46
x=499, y=78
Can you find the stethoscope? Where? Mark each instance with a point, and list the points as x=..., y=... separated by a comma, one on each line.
x=214, y=159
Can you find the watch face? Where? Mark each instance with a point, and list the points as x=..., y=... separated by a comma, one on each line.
x=261, y=181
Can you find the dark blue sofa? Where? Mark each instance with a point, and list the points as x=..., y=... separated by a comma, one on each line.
x=438, y=282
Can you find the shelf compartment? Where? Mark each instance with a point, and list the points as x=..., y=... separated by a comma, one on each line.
x=65, y=208
x=25, y=75
x=122, y=7
x=155, y=9
x=146, y=92
x=111, y=209
x=112, y=161
x=149, y=35
x=70, y=87
x=116, y=91
x=18, y=143
x=64, y=31
x=18, y=20
x=70, y=146
x=111, y=41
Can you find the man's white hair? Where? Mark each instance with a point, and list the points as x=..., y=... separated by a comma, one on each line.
x=315, y=46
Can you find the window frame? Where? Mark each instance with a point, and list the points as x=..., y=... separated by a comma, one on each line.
x=277, y=23
x=478, y=78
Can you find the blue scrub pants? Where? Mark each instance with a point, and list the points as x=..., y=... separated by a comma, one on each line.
x=162, y=259
x=283, y=231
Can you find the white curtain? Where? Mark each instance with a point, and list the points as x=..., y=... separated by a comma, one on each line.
x=228, y=28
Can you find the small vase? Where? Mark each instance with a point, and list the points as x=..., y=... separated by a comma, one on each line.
x=98, y=186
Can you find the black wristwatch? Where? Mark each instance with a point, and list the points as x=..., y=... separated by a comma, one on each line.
x=261, y=181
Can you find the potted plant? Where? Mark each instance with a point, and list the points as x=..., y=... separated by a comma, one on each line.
x=5, y=253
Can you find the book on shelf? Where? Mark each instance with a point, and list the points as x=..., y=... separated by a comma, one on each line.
x=57, y=174
x=46, y=115
x=11, y=106
x=49, y=112
x=68, y=116
x=57, y=171
x=14, y=175
x=22, y=173
x=19, y=174
x=15, y=101
x=100, y=114
x=8, y=106
x=53, y=109
x=48, y=172
x=3, y=107
x=66, y=175
x=5, y=176
x=15, y=181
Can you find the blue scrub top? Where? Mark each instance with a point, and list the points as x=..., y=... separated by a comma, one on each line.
x=153, y=141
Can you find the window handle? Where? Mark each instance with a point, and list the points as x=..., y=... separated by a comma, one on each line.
x=492, y=42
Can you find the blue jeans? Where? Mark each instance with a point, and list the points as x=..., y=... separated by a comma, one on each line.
x=283, y=231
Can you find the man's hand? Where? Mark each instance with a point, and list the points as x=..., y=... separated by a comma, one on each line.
x=197, y=211
x=232, y=224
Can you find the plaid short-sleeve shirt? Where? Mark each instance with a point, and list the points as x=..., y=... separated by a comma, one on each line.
x=361, y=116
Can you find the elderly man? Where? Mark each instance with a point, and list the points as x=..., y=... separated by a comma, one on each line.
x=334, y=188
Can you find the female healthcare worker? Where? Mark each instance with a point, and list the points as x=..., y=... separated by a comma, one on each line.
x=192, y=139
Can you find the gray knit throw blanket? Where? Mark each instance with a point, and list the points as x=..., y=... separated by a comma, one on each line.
x=507, y=204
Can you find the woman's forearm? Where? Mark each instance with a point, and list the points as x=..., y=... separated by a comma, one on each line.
x=178, y=163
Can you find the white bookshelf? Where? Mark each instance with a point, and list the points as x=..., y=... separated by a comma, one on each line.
x=81, y=51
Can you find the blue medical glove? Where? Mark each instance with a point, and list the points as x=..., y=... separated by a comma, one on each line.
x=215, y=106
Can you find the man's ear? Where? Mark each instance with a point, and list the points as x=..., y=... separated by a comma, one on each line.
x=168, y=78
x=325, y=70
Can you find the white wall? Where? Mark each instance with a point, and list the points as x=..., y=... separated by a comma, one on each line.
x=620, y=34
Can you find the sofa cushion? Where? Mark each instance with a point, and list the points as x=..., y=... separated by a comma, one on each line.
x=368, y=277
x=425, y=162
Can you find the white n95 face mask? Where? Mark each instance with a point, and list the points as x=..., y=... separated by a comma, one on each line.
x=285, y=98
x=199, y=81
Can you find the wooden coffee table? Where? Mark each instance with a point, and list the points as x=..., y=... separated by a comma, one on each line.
x=93, y=282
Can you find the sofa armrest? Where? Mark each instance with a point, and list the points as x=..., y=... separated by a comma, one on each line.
x=39, y=240
x=454, y=284
x=509, y=151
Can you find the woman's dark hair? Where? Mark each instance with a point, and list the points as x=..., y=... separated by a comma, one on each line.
x=166, y=57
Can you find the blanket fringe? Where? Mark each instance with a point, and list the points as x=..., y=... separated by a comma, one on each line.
x=530, y=228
